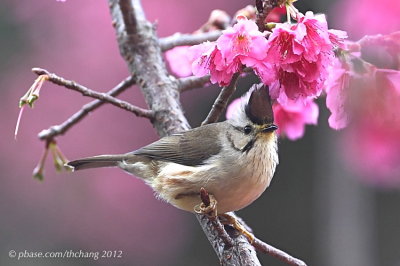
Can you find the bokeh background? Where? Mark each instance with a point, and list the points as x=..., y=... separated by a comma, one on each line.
x=316, y=209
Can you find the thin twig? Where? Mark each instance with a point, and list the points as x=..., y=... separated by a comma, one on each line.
x=179, y=39
x=61, y=129
x=193, y=82
x=94, y=94
x=277, y=253
x=221, y=101
x=188, y=83
x=205, y=198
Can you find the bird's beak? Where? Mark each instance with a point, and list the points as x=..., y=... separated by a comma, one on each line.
x=270, y=128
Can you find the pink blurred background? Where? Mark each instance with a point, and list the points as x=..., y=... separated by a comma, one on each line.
x=92, y=210
x=109, y=210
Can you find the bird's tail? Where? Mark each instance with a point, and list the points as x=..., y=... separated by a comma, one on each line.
x=96, y=162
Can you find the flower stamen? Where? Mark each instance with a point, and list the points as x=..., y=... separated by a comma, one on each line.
x=29, y=98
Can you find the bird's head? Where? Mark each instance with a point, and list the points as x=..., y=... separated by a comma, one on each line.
x=259, y=112
x=255, y=113
x=254, y=119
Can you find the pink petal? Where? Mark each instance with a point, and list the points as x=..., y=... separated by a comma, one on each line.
x=293, y=116
x=311, y=113
x=179, y=61
x=233, y=108
x=390, y=78
x=337, y=87
x=202, y=55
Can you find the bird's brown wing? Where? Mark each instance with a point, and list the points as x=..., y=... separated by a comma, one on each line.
x=190, y=148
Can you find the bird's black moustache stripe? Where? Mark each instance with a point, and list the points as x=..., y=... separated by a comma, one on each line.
x=231, y=141
x=249, y=145
x=246, y=148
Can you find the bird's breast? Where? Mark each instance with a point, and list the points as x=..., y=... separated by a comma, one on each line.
x=246, y=183
x=235, y=179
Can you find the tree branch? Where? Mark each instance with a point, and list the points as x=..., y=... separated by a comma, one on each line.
x=221, y=101
x=188, y=83
x=179, y=39
x=140, y=48
x=94, y=94
x=206, y=201
x=264, y=7
x=277, y=253
x=193, y=82
x=239, y=252
x=258, y=244
x=61, y=129
x=142, y=53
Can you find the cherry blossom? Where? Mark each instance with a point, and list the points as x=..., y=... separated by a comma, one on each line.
x=336, y=86
x=350, y=72
x=382, y=18
x=243, y=39
x=372, y=151
x=201, y=54
x=292, y=117
x=372, y=140
x=302, y=54
x=238, y=45
x=180, y=61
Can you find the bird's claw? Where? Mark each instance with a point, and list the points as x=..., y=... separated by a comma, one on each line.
x=210, y=210
x=230, y=220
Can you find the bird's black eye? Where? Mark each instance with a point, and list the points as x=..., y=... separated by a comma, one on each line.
x=247, y=129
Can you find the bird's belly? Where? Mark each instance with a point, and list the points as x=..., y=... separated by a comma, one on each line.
x=240, y=193
x=233, y=191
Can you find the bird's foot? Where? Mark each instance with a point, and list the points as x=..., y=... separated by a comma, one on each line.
x=208, y=206
x=231, y=220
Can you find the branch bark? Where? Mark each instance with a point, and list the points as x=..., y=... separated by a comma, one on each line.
x=277, y=253
x=221, y=101
x=258, y=244
x=61, y=129
x=141, y=50
x=179, y=39
x=188, y=83
x=104, y=97
x=139, y=46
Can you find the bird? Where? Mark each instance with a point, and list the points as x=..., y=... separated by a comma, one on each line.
x=234, y=160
